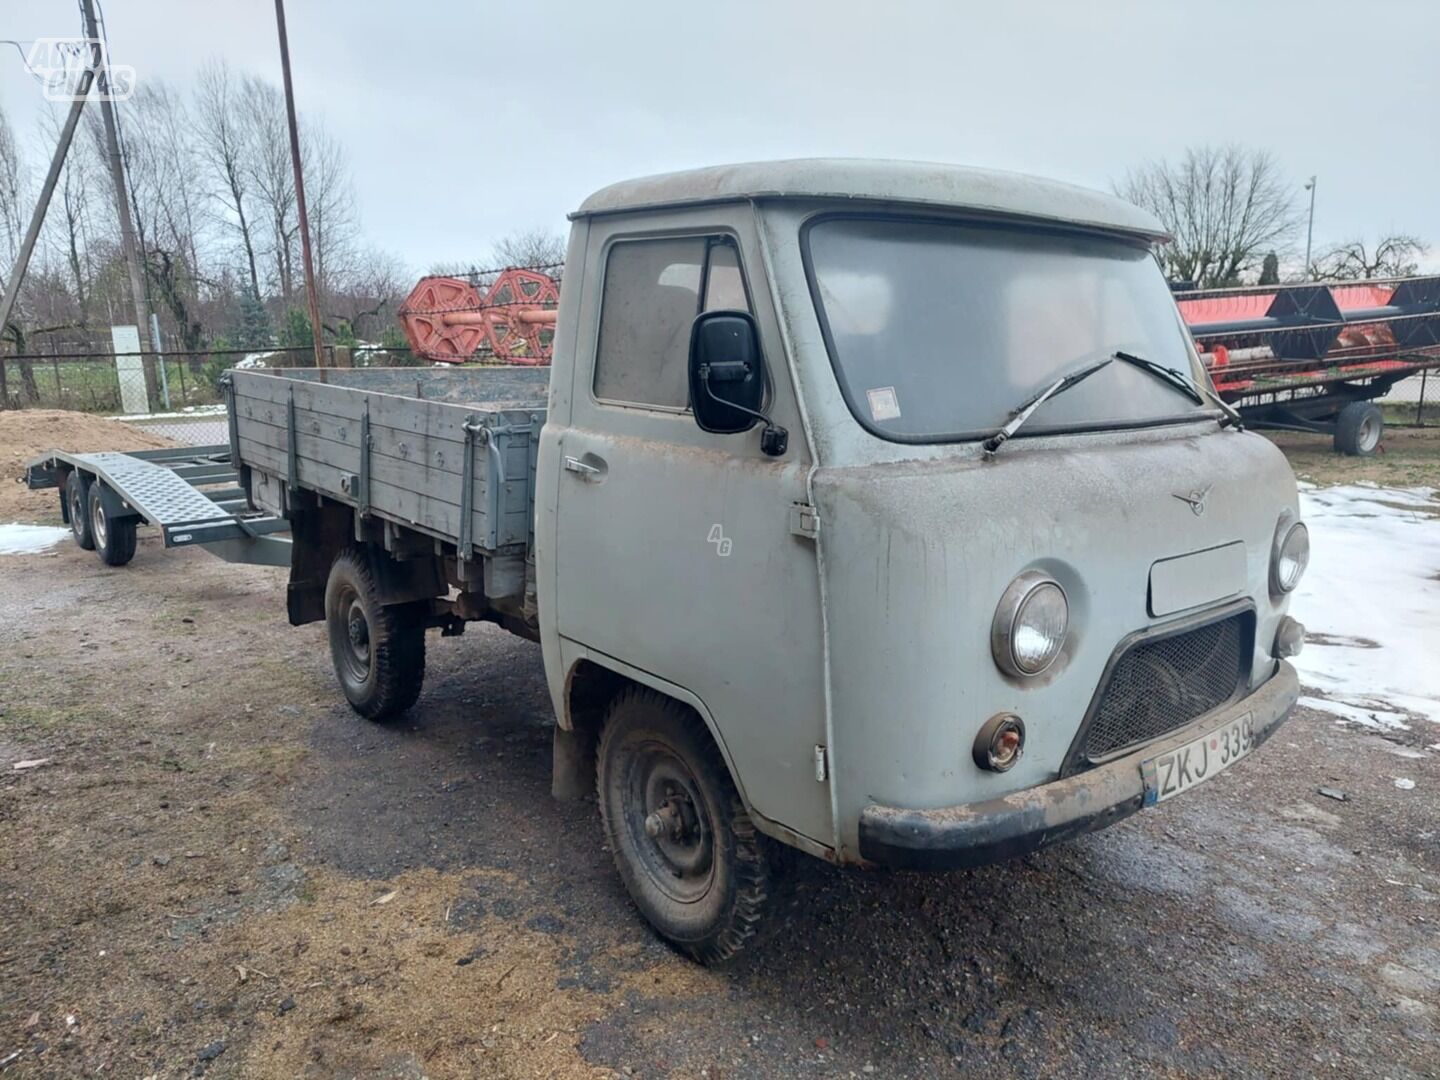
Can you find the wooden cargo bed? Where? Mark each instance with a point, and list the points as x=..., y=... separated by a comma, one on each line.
x=448, y=452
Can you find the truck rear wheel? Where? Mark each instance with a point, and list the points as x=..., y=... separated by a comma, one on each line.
x=114, y=538
x=1358, y=429
x=378, y=651
x=77, y=509
x=683, y=842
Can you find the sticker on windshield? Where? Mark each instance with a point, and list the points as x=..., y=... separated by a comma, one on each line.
x=884, y=405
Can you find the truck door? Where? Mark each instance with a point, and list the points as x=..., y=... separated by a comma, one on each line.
x=674, y=552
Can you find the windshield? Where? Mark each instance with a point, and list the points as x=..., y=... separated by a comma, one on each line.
x=939, y=331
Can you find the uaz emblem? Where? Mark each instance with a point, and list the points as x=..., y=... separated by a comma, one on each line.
x=1195, y=500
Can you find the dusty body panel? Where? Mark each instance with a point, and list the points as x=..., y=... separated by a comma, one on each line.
x=917, y=555
x=679, y=562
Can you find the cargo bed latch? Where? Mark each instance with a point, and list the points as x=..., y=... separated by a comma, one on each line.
x=804, y=520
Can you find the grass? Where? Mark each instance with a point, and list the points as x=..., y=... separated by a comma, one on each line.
x=1408, y=457
x=94, y=385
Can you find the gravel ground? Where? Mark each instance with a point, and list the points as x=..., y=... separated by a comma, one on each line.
x=221, y=872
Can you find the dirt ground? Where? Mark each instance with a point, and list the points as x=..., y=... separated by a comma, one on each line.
x=220, y=871
x=27, y=433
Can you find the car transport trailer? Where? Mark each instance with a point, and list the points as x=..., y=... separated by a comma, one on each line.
x=191, y=494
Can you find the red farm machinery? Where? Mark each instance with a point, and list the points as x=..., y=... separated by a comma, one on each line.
x=503, y=315
x=1315, y=356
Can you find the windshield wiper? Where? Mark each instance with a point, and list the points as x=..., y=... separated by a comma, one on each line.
x=1026, y=408
x=1178, y=380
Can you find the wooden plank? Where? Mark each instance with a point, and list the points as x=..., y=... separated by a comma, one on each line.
x=322, y=465
x=529, y=386
x=399, y=503
x=435, y=479
x=404, y=413
x=446, y=455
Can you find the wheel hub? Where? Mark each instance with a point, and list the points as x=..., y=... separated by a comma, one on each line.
x=674, y=834
x=351, y=638
x=97, y=522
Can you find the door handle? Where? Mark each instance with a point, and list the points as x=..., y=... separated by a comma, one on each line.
x=583, y=469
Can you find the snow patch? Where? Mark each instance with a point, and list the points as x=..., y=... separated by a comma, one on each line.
x=179, y=414
x=18, y=539
x=1370, y=717
x=1369, y=601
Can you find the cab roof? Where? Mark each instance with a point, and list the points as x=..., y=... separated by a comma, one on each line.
x=917, y=183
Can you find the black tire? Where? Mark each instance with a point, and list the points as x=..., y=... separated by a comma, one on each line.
x=114, y=537
x=1359, y=428
x=703, y=882
x=378, y=651
x=77, y=509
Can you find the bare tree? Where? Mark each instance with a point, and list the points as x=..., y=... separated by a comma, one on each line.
x=13, y=212
x=269, y=170
x=367, y=299
x=223, y=146
x=528, y=247
x=331, y=201
x=213, y=201
x=168, y=200
x=1395, y=255
x=1225, y=206
x=68, y=224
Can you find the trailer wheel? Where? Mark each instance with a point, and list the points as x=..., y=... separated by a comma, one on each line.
x=1358, y=429
x=683, y=842
x=77, y=509
x=378, y=651
x=114, y=537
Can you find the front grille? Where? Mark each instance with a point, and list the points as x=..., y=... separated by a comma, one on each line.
x=1162, y=684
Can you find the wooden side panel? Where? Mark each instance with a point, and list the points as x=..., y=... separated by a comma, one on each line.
x=512, y=387
x=417, y=450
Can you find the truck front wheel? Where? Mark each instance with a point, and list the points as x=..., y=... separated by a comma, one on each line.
x=378, y=651
x=683, y=842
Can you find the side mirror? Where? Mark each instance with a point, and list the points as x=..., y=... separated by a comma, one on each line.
x=727, y=378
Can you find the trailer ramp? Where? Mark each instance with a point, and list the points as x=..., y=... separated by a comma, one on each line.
x=190, y=494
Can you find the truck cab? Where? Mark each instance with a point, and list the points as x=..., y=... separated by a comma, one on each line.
x=898, y=493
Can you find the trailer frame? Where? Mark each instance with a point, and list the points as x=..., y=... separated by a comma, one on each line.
x=192, y=494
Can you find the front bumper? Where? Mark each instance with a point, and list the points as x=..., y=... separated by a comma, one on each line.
x=977, y=833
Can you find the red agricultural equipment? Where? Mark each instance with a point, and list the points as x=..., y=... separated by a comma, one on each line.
x=1313, y=357
x=513, y=320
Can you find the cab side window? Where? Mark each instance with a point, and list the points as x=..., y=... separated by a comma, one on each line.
x=653, y=291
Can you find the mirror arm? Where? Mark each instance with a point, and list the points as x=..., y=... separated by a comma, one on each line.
x=774, y=440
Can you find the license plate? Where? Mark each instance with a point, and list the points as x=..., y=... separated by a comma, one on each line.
x=1179, y=770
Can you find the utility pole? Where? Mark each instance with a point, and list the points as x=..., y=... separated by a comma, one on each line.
x=310, y=291
x=37, y=219
x=1310, y=228
x=122, y=199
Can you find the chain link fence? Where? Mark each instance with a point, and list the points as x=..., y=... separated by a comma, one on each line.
x=129, y=383
x=1415, y=400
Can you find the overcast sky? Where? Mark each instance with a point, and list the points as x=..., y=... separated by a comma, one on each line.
x=467, y=121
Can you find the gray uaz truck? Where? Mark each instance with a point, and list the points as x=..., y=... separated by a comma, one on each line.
x=881, y=510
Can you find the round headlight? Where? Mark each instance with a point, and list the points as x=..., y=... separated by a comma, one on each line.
x=1030, y=624
x=1292, y=555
